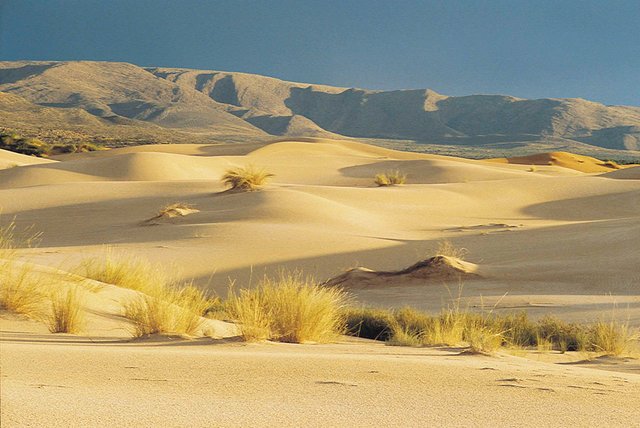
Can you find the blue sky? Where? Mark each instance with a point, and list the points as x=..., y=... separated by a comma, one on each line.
x=530, y=49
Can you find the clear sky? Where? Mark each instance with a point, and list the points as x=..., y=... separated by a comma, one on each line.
x=527, y=48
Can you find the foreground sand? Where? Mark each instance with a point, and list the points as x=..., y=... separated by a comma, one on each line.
x=549, y=240
x=76, y=381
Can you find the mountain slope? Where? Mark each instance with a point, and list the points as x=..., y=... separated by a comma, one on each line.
x=226, y=106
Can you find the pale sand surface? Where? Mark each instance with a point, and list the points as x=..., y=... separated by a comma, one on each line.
x=555, y=240
x=66, y=380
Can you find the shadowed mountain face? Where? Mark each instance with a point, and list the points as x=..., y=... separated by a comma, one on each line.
x=155, y=104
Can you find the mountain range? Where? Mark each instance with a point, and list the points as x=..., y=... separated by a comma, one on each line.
x=120, y=103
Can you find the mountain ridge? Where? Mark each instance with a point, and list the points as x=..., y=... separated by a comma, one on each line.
x=209, y=105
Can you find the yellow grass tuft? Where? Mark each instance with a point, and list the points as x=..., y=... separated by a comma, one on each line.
x=19, y=287
x=66, y=314
x=390, y=178
x=483, y=340
x=124, y=270
x=167, y=309
x=289, y=308
x=247, y=178
x=613, y=338
x=20, y=290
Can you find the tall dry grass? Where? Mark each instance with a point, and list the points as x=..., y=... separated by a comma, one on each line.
x=289, y=308
x=20, y=289
x=614, y=338
x=124, y=270
x=248, y=178
x=67, y=315
x=167, y=309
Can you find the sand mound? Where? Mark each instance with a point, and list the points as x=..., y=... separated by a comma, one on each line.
x=631, y=173
x=566, y=160
x=438, y=268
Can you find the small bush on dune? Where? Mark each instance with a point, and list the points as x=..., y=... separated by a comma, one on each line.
x=66, y=312
x=247, y=178
x=390, y=178
x=289, y=308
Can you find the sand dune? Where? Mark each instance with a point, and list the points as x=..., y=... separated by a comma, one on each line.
x=12, y=160
x=323, y=213
x=565, y=160
x=554, y=241
x=632, y=173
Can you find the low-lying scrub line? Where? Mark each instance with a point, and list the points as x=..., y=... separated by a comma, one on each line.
x=486, y=333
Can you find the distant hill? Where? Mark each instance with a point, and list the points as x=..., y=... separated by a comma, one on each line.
x=121, y=103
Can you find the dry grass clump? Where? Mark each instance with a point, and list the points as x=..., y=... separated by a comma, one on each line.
x=177, y=209
x=167, y=309
x=123, y=270
x=289, y=308
x=163, y=306
x=247, y=178
x=390, y=178
x=483, y=340
x=20, y=290
x=66, y=314
x=613, y=338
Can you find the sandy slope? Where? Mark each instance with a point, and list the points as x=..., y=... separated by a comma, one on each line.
x=556, y=240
